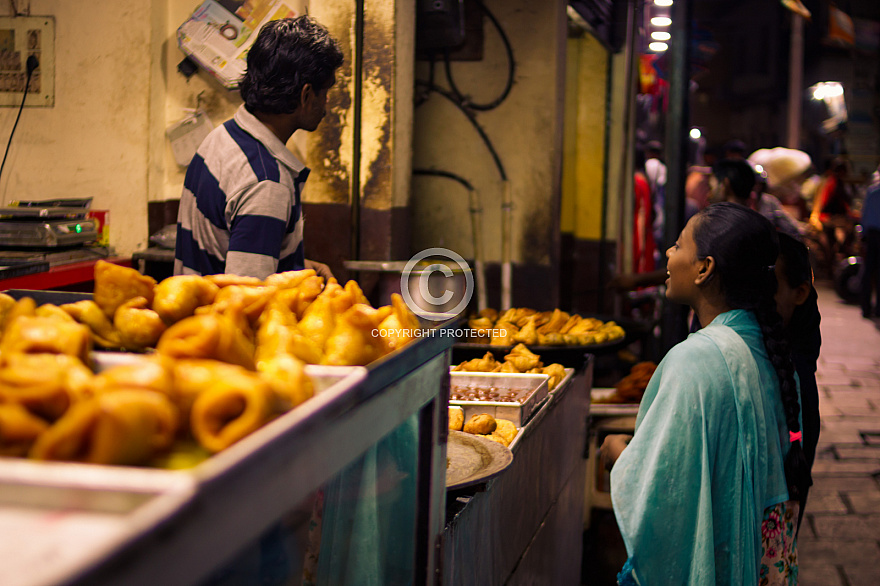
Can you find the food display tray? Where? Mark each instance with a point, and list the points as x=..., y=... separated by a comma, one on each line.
x=533, y=387
x=599, y=408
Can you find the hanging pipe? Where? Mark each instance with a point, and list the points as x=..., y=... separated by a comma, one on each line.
x=506, y=244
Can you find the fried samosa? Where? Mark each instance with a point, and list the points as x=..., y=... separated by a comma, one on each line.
x=178, y=297
x=355, y=340
x=226, y=280
x=290, y=279
x=139, y=327
x=36, y=335
x=44, y=384
x=114, y=285
x=154, y=373
x=125, y=428
x=19, y=429
x=89, y=314
x=401, y=327
x=207, y=336
x=287, y=377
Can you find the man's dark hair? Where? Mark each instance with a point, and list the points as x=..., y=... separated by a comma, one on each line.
x=741, y=175
x=288, y=54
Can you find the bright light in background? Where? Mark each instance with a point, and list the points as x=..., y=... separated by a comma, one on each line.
x=695, y=133
x=661, y=36
x=759, y=169
x=827, y=89
x=661, y=21
x=658, y=47
x=663, y=2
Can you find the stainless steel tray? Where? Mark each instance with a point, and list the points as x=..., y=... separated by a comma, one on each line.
x=533, y=386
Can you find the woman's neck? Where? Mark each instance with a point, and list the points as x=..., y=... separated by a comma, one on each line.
x=708, y=308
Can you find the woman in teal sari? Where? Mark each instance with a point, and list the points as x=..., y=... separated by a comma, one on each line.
x=706, y=490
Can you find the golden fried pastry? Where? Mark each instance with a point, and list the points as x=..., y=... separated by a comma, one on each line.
x=481, y=424
x=89, y=314
x=485, y=364
x=554, y=324
x=357, y=294
x=248, y=301
x=287, y=377
x=36, y=335
x=489, y=313
x=529, y=332
x=521, y=315
x=456, y=418
x=319, y=319
x=481, y=327
x=507, y=367
x=235, y=403
x=290, y=279
x=24, y=307
x=51, y=310
x=502, y=333
x=19, y=429
x=556, y=372
x=355, y=340
x=551, y=339
x=125, y=427
x=114, y=285
x=495, y=438
x=7, y=302
x=139, y=326
x=179, y=296
x=522, y=358
x=207, y=336
x=225, y=280
x=401, y=327
x=506, y=429
x=44, y=384
x=572, y=322
x=150, y=374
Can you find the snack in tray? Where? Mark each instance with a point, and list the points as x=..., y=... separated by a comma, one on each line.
x=19, y=429
x=179, y=296
x=114, y=285
x=139, y=326
x=498, y=430
x=524, y=325
x=47, y=385
x=36, y=335
x=480, y=424
x=123, y=427
x=519, y=360
x=355, y=339
x=630, y=388
x=87, y=312
x=207, y=336
x=456, y=418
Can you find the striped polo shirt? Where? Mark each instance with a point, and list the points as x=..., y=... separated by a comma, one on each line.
x=240, y=210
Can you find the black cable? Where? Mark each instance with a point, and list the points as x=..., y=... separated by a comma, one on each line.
x=31, y=64
x=449, y=175
x=511, y=69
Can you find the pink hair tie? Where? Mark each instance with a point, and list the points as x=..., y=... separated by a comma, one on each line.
x=794, y=436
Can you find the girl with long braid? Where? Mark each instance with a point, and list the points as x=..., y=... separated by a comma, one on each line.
x=707, y=490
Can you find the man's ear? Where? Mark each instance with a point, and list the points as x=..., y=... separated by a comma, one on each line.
x=307, y=94
x=706, y=270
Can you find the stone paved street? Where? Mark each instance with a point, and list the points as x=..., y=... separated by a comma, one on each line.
x=839, y=543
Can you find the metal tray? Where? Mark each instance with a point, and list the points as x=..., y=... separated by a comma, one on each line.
x=534, y=386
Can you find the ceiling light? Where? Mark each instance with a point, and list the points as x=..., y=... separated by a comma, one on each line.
x=695, y=133
x=658, y=46
x=663, y=2
x=661, y=21
x=661, y=36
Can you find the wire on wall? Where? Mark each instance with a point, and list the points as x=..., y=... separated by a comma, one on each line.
x=30, y=65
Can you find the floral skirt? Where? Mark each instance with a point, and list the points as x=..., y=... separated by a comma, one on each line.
x=779, y=566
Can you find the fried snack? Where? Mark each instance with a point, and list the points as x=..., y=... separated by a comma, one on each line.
x=481, y=424
x=502, y=333
x=151, y=374
x=179, y=296
x=495, y=438
x=278, y=335
x=355, y=340
x=235, y=403
x=7, y=302
x=631, y=387
x=125, y=427
x=249, y=301
x=139, y=326
x=24, y=307
x=507, y=367
x=287, y=377
x=556, y=372
x=572, y=322
x=555, y=322
x=44, y=384
x=399, y=328
x=456, y=419
x=522, y=358
x=521, y=315
x=485, y=364
x=207, y=336
x=506, y=429
x=89, y=314
x=290, y=279
x=529, y=332
x=36, y=335
x=551, y=339
x=357, y=294
x=481, y=326
x=225, y=280
x=489, y=313
x=114, y=285
x=52, y=311
x=319, y=319
x=19, y=429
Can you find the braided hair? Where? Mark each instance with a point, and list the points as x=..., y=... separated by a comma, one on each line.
x=745, y=245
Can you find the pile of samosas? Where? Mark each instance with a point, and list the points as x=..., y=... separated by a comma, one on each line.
x=630, y=388
x=519, y=360
x=545, y=328
x=230, y=355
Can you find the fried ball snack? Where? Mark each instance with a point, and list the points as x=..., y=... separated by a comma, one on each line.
x=481, y=424
x=114, y=285
x=506, y=429
x=150, y=374
x=287, y=377
x=399, y=328
x=235, y=403
x=207, y=336
x=89, y=314
x=36, y=335
x=456, y=419
x=225, y=280
x=125, y=427
x=290, y=279
x=44, y=384
x=139, y=326
x=179, y=296
x=19, y=429
x=355, y=340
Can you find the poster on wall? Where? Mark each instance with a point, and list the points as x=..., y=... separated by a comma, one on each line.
x=219, y=33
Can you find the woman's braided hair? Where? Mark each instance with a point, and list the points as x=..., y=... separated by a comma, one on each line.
x=744, y=245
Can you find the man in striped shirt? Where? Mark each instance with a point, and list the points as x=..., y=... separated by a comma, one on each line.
x=241, y=206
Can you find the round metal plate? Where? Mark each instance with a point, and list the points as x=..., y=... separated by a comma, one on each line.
x=473, y=459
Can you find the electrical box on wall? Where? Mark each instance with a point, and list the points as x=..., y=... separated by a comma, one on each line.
x=20, y=38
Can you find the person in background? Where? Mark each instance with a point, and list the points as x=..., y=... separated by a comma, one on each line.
x=832, y=214
x=871, y=246
x=707, y=490
x=643, y=215
x=655, y=172
x=241, y=206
